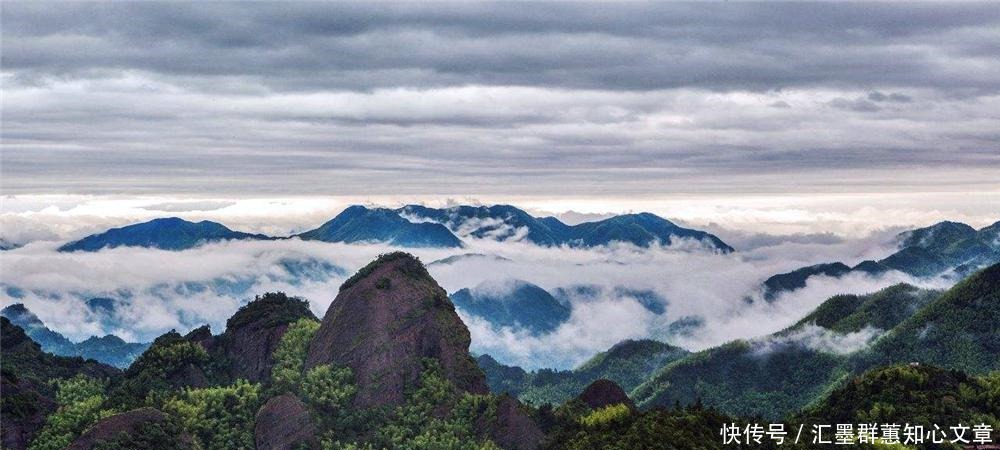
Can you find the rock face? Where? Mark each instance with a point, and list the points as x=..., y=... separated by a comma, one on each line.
x=284, y=423
x=254, y=332
x=603, y=393
x=513, y=428
x=386, y=319
x=132, y=423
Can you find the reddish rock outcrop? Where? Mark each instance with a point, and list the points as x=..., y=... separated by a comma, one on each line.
x=284, y=423
x=512, y=428
x=384, y=321
x=604, y=392
x=132, y=423
x=254, y=332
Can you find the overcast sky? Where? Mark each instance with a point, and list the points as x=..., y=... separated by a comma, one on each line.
x=555, y=100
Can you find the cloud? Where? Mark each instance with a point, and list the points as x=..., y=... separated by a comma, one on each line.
x=821, y=339
x=205, y=205
x=483, y=99
x=163, y=290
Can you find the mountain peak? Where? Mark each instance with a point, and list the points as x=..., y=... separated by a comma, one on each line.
x=385, y=321
x=166, y=233
x=360, y=224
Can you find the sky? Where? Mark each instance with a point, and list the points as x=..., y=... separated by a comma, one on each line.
x=600, y=105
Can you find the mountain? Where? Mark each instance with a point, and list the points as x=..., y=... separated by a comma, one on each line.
x=385, y=319
x=358, y=224
x=169, y=233
x=504, y=222
x=498, y=222
x=627, y=363
x=50, y=341
x=844, y=336
x=649, y=299
x=945, y=248
x=467, y=257
x=245, y=351
x=514, y=303
x=7, y=245
x=783, y=372
x=796, y=279
x=958, y=330
x=108, y=349
x=910, y=393
x=27, y=378
x=388, y=367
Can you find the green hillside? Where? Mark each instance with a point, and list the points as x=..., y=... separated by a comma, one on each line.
x=784, y=372
x=627, y=363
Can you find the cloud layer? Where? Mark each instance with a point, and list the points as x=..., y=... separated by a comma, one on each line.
x=161, y=290
x=486, y=99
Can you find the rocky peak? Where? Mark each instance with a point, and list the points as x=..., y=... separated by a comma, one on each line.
x=604, y=392
x=253, y=333
x=386, y=319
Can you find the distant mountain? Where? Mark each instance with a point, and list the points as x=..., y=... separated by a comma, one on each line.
x=108, y=349
x=50, y=341
x=358, y=224
x=513, y=303
x=844, y=336
x=467, y=257
x=649, y=299
x=628, y=364
x=170, y=233
x=503, y=222
x=935, y=250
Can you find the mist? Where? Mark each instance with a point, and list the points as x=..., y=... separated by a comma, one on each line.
x=156, y=291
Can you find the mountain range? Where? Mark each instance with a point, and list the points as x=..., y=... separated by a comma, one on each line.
x=169, y=233
x=108, y=349
x=388, y=366
x=778, y=374
x=417, y=226
x=503, y=222
x=944, y=249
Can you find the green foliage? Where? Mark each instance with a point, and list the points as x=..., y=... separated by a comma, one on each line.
x=290, y=355
x=219, y=418
x=412, y=268
x=607, y=415
x=156, y=373
x=912, y=394
x=745, y=379
x=277, y=307
x=161, y=436
x=80, y=406
x=689, y=428
x=958, y=330
x=883, y=310
x=628, y=364
x=23, y=359
x=436, y=416
x=329, y=388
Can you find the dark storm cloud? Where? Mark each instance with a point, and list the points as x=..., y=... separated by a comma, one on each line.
x=582, y=99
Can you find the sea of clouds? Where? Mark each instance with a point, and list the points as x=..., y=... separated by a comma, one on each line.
x=156, y=291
